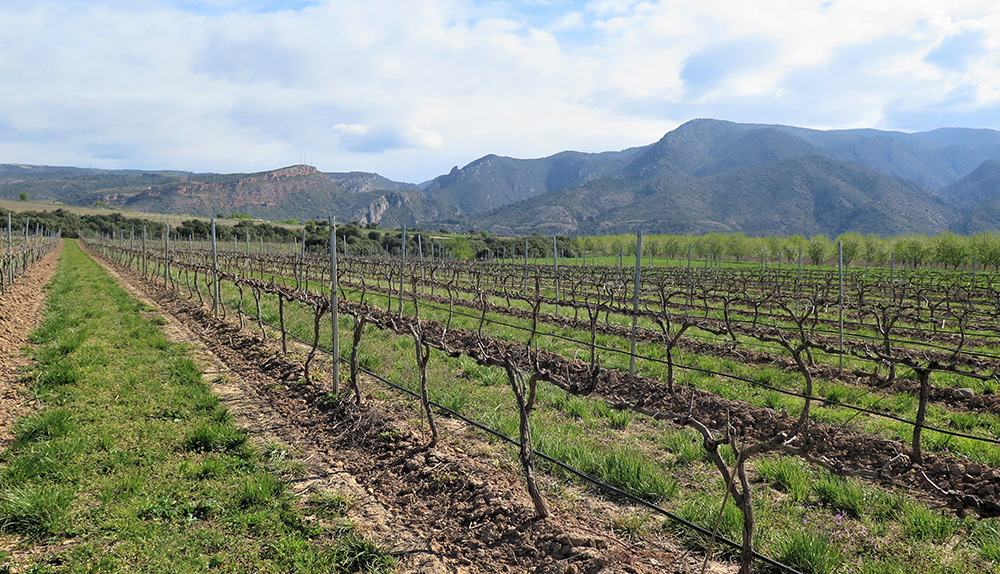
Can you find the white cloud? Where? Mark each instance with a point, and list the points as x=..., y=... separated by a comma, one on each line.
x=409, y=89
x=351, y=129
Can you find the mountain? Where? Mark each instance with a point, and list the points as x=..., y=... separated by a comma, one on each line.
x=978, y=196
x=705, y=147
x=492, y=181
x=805, y=196
x=979, y=186
x=361, y=182
x=705, y=175
x=300, y=192
x=934, y=159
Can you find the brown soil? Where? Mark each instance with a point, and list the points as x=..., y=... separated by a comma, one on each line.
x=461, y=507
x=20, y=313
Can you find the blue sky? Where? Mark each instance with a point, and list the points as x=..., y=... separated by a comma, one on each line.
x=410, y=89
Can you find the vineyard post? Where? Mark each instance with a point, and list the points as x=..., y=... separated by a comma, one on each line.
x=334, y=309
x=975, y=261
x=10, y=249
x=800, y=264
x=143, y=249
x=892, y=269
x=166, y=253
x=302, y=259
x=402, y=268
x=420, y=249
x=555, y=268
x=525, y=264
x=687, y=310
x=635, y=303
x=215, y=272
x=840, y=325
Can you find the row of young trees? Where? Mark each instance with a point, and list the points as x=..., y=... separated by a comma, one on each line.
x=947, y=249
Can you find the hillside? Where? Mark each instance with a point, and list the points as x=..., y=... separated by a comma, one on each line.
x=492, y=181
x=300, y=192
x=362, y=181
x=796, y=196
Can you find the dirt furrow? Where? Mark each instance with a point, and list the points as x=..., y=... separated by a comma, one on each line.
x=20, y=314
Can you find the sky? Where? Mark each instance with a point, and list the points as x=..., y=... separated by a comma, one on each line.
x=411, y=88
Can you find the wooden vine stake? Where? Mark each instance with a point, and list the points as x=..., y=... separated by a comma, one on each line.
x=524, y=393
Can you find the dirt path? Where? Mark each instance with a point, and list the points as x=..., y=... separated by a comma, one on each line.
x=20, y=314
x=457, y=509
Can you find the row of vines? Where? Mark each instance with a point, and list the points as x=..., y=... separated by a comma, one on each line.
x=856, y=342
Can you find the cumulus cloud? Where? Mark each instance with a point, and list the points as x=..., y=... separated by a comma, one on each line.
x=409, y=89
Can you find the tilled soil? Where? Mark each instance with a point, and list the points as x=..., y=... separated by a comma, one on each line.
x=20, y=313
x=457, y=508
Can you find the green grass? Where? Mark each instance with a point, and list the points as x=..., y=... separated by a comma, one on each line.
x=810, y=552
x=131, y=457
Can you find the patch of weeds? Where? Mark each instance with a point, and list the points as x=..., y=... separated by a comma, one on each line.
x=48, y=460
x=788, y=473
x=883, y=505
x=259, y=490
x=281, y=459
x=390, y=435
x=170, y=508
x=576, y=408
x=184, y=371
x=212, y=436
x=357, y=554
x=633, y=524
x=45, y=425
x=59, y=374
x=619, y=419
x=121, y=488
x=35, y=510
x=454, y=398
x=986, y=538
x=329, y=504
x=205, y=402
x=810, y=552
x=686, y=446
x=221, y=415
x=920, y=523
x=772, y=400
x=727, y=454
x=158, y=321
x=965, y=421
x=842, y=494
x=703, y=510
x=368, y=361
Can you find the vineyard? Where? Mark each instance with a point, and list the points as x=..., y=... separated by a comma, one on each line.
x=23, y=250
x=735, y=405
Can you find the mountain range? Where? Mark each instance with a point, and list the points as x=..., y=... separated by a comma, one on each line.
x=706, y=175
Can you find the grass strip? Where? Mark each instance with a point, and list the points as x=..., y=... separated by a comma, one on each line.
x=132, y=465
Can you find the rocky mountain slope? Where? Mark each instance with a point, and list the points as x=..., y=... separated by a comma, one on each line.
x=706, y=175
